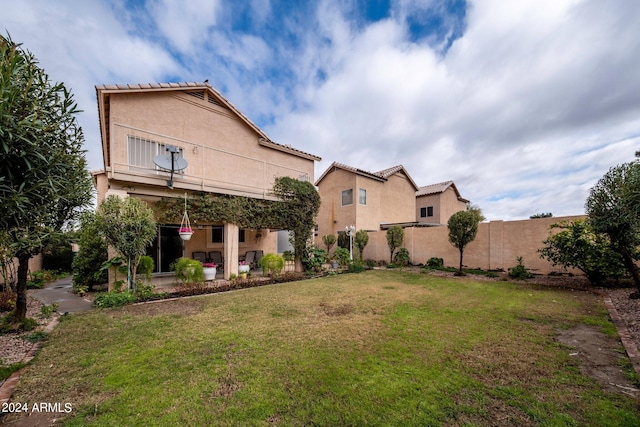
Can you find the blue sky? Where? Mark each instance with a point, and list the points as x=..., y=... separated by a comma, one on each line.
x=524, y=104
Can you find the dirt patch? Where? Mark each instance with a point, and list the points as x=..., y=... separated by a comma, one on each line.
x=599, y=356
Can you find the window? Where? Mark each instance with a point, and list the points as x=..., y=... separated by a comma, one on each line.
x=217, y=234
x=362, y=196
x=142, y=151
x=425, y=212
x=347, y=197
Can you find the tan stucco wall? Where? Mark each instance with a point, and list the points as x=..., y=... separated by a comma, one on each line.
x=444, y=205
x=497, y=245
x=223, y=152
x=389, y=201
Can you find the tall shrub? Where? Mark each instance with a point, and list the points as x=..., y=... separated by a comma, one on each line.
x=395, y=237
x=91, y=255
x=463, y=227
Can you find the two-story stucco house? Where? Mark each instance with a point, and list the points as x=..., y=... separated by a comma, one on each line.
x=374, y=201
x=436, y=203
x=224, y=152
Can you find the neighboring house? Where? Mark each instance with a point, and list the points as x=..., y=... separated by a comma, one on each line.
x=376, y=200
x=225, y=153
x=437, y=202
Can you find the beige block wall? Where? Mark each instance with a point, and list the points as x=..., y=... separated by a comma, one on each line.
x=496, y=247
x=35, y=264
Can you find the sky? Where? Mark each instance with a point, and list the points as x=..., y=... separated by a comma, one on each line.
x=524, y=104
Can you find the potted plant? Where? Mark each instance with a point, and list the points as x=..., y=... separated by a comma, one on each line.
x=243, y=267
x=209, y=270
x=185, y=233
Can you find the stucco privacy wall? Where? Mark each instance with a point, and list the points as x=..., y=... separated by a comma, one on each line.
x=497, y=245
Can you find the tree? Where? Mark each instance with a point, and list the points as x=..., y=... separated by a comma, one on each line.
x=129, y=226
x=360, y=241
x=44, y=183
x=297, y=212
x=613, y=207
x=395, y=237
x=91, y=255
x=329, y=240
x=463, y=227
x=577, y=245
x=541, y=215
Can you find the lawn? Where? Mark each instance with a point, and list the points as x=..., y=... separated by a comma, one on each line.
x=378, y=348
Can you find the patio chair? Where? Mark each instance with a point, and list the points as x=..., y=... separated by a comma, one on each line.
x=250, y=258
x=216, y=256
x=259, y=255
x=200, y=256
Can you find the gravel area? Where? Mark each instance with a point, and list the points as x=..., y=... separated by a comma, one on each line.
x=14, y=347
x=629, y=310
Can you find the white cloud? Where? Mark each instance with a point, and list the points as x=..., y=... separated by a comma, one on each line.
x=185, y=24
x=525, y=111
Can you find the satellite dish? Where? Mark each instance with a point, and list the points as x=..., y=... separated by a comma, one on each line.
x=171, y=162
x=163, y=161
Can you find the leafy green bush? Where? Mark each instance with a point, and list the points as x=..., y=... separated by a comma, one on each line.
x=46, y=311
x=272, y=264
x=145, y=266
x=114, y=299
x=402, y=258
x=8, y=324
x=342, y=255
x=36, y=280
x=370, y=263
x=435, y=262
x=7, y=301
x=188, y=270
x=315, y=259
x=144, y=291
x=519, y=272
x=92, y=254
x=36, y=336
x=356, y=267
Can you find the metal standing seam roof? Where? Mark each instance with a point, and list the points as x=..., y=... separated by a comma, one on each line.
x=183, y=86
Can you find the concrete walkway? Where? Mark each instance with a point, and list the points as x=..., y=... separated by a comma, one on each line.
x=61, y=291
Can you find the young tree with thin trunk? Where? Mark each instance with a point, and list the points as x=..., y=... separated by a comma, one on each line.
x=395, y=237
x=129, y=226
x=463, y=228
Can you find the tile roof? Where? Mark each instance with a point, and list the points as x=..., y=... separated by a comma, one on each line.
x=183, y=86
x=382, y=175
x=440, y=187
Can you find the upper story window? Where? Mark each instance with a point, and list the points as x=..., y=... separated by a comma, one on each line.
x=362, y=196
x=425, y=212
x=347, y=197
x=142, y=151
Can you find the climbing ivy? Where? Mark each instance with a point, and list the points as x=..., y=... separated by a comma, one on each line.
x=296, y=209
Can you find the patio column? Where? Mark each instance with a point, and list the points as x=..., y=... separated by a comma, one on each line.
x=230, y=250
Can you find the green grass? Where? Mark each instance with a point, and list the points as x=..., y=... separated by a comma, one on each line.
x=377, y=348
